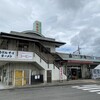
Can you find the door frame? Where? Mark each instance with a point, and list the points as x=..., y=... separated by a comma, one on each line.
x=23, y=70
x=49, y=77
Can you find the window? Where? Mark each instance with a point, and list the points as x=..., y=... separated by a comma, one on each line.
x=48, y=49
x=3, y=44
x=23, y=46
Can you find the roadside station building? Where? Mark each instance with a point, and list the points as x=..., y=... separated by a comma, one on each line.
x=28, y=58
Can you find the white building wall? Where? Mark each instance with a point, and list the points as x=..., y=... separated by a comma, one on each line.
x=54, y=69
x=10, y=67
x=23, y=64
x=49, y=45
x=52, y=49
x=56, y=73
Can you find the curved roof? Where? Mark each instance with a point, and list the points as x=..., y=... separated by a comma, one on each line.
x=31, y=36
x=32, y=33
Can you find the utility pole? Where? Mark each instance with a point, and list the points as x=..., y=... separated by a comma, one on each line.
x=78, y=50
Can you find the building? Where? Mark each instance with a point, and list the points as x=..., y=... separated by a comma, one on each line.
x=28, y=58
x=77, y=66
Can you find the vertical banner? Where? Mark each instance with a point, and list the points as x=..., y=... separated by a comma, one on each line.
x=61, y=73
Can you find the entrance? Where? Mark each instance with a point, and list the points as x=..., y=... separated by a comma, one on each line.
x=18, y=77
x=49, y=74
x=74, y=73
x=21, y=77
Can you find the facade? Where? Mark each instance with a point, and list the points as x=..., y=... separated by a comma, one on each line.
x=77, y=66
x=26, y=58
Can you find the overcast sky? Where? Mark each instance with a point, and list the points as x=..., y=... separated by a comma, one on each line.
x=76, y=22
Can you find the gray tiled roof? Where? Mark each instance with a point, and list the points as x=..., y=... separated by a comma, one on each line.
x=31, y=36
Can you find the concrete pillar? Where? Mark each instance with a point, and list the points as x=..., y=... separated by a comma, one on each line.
x=29, y=76
x=67, y=73
x=44, y=72
x=8, y=74
x=14, y=79
x=23, y=77
x=84, y=69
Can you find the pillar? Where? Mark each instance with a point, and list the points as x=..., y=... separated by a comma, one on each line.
x=29, y=76
x=85, y=72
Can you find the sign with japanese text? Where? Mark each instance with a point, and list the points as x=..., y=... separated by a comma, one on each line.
x=95, y=73
x=25, y=55
x=61, y=73
x=79, y=62
x=7, y=54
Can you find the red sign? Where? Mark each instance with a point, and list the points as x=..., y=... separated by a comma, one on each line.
x=61, y=73
x=79, y=62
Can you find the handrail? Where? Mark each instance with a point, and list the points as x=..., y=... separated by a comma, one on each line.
x=42, y=57
x=55, y=65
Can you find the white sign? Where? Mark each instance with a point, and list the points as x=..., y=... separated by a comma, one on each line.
x=36, y=77
x=95, y=73
x=7, y=54
x=61, y=73
x=25, y=55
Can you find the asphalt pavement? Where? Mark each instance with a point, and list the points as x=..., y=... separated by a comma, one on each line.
x=49, y=93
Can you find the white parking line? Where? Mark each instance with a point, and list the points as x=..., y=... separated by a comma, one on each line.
x=94, y=91
x=91, y=88
x=98, y=92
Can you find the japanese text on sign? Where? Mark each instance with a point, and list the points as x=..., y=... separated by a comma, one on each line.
x=95, y=73
x=7, y=54
x=25, y=55
x=61, y=73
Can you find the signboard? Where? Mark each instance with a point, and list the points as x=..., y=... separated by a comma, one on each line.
x=25, y=55
x=37, y=26
x=80, y=62
x=61, y=73
x=95, y=73
x=7, y=54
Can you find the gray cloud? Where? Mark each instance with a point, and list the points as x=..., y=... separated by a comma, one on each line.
x=71, y=21
x=70, y=4
x=89, y=40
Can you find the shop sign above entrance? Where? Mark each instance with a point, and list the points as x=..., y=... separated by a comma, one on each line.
x=7, y=54
x=79, y=62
